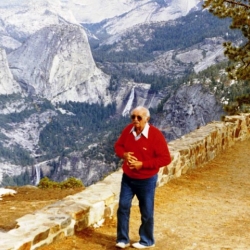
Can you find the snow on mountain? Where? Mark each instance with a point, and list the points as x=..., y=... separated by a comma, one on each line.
x=20, y=19
x=120, y=15
x=123, y=14
x=95, y=11
x=10, y=3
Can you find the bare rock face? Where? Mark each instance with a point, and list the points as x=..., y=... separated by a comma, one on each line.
x=56, y=63
x=190, y=108
x=7, y=84
x=48, y=56
x=130, y=94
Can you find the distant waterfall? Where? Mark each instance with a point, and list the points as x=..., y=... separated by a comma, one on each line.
x=38, y=174
x=129, y=103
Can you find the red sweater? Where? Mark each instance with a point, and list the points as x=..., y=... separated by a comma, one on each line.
x=152, y=151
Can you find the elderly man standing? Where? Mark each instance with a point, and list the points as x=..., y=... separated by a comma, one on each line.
x=144, y=150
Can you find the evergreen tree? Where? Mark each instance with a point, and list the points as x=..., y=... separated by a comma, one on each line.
x=239, y=55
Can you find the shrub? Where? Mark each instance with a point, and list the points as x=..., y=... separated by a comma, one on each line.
x=71, y=182
x=47, y=183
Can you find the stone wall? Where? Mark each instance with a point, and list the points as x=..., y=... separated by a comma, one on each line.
x=98, y=202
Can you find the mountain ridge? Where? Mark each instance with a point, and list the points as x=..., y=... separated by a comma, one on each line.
x=72, y=105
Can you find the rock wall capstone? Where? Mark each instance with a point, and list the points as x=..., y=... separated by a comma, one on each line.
x=99, y=201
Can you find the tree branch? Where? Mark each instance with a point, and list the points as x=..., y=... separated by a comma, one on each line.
x=237, y=3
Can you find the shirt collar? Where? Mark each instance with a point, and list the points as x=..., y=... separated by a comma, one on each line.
x=144, y=131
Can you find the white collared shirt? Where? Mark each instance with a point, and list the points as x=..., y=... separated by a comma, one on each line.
x=144, y=132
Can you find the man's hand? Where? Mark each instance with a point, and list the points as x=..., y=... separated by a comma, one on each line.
x=128, y=156
x=135, y=164
x=132, y=161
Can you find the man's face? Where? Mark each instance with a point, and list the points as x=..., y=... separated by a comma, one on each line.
x=139, y=119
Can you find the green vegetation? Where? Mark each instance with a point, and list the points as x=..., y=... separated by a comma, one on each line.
x=183, y=33
x=9, y=98
x=71, y=182
x=16, y=155
x=90, y=130
x=240, y=105
x=29, y=107
x=88, y=124
x=239, y=12
x=234, y=95
x=238, y=54
x=20, y=180
x=157, y=82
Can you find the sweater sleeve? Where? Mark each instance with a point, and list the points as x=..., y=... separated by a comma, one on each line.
x=119, y=145
x=161, y=156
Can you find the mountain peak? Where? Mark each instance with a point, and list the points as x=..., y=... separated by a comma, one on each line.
x=56, y=61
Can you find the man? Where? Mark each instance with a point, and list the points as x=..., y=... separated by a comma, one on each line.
x=144, y=150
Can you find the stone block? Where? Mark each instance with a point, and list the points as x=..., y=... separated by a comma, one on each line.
x=54, y=228
x=107, y=212
x=24, y=246
x=77, y=211
x=41, y=235
x=100, y=192
x=82, y=224
x=96, y=212
x=59, y=236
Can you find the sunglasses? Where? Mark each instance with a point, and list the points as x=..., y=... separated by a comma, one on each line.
x=139, y=118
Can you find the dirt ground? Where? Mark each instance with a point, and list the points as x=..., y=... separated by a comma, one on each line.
x=27, y=200
x=208, y=208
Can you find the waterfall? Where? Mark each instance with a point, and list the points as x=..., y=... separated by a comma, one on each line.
x=38, y=174
x=129, y=103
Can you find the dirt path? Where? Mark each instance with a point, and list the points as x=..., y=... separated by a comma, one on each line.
x=27, y=200
x=205, y=209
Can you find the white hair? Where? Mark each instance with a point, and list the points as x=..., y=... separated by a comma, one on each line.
x=145, y=110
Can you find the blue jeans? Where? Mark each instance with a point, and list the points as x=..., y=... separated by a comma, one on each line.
x=144, y=189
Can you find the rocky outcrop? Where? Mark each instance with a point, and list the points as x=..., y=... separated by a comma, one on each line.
x=56, y=63
x=190, y=108
x=95, y=204
x=7, y=84
x=130, y=94
x=53, y=61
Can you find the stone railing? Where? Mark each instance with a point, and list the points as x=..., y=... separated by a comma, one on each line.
x=98, y=202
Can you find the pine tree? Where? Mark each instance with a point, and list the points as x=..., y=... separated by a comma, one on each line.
x=238, y=55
